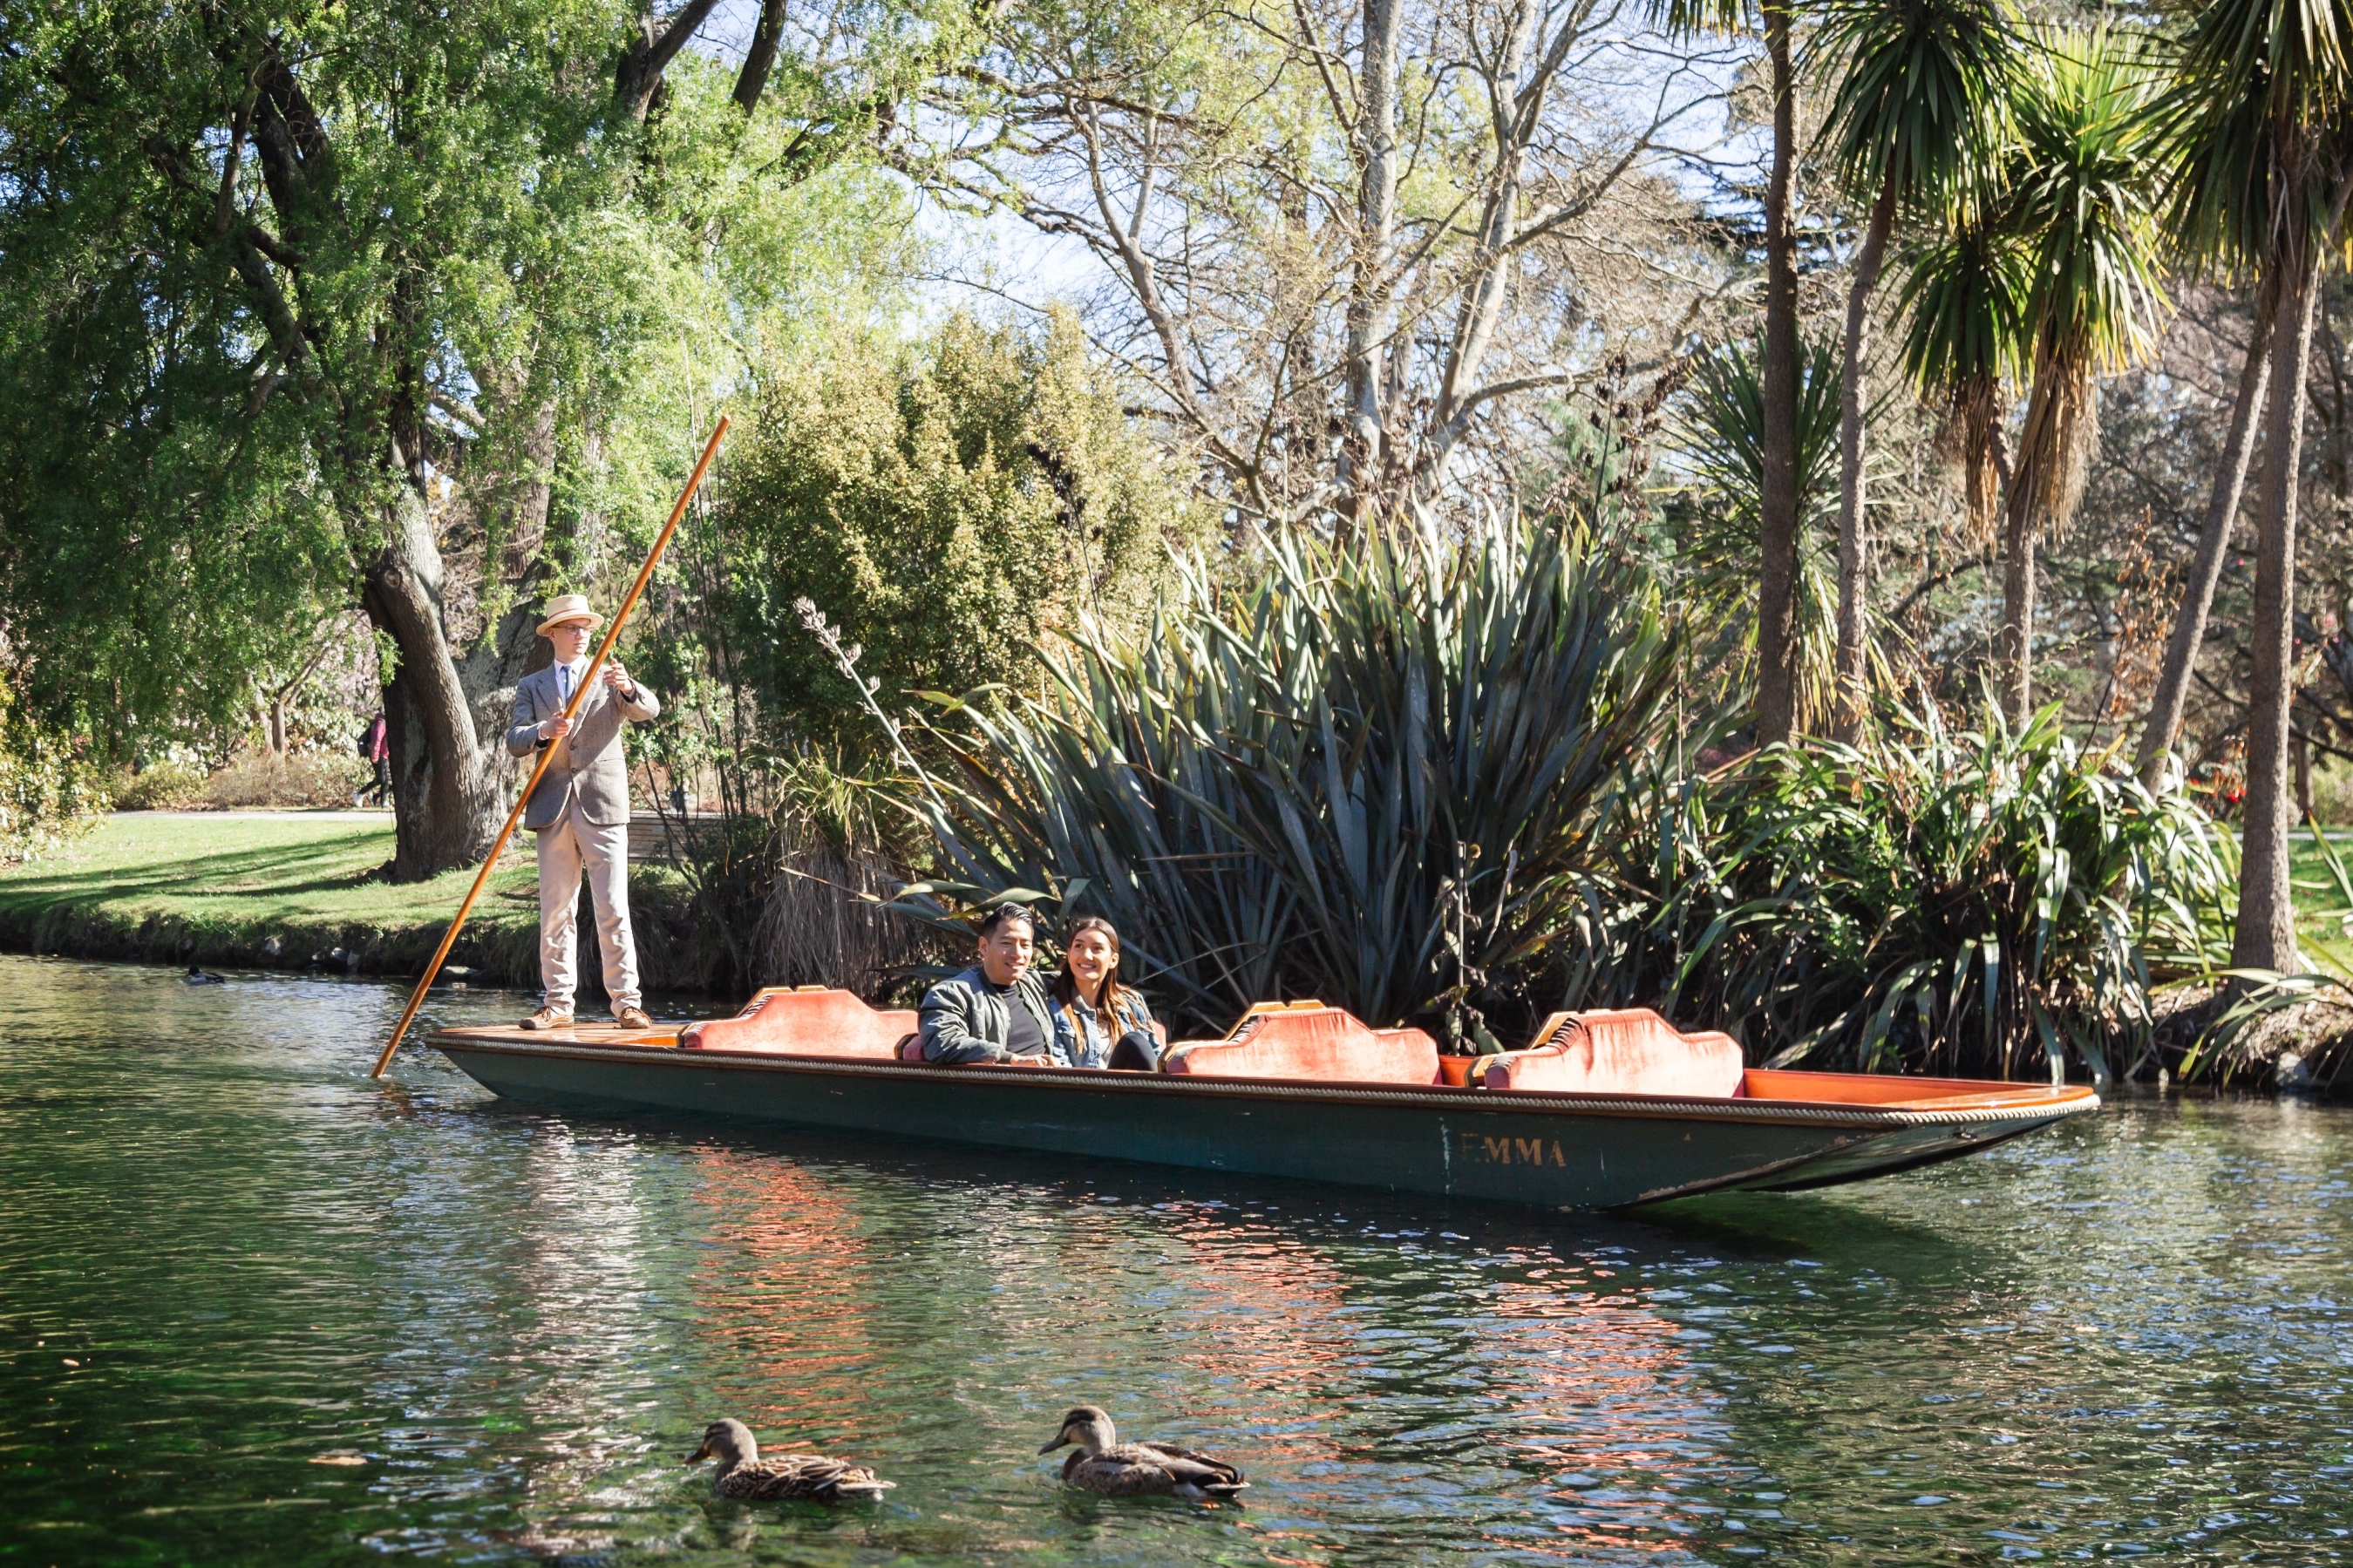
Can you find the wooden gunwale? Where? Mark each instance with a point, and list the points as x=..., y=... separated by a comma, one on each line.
x=1959, y=1109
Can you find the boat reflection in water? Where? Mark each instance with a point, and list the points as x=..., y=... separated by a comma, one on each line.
x=954, y=1306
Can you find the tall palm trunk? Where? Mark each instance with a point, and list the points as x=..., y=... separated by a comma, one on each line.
x=2172, y=694
x=1776, y=580
x=1852, y=565
x=2038, y=449
x=2266, y=935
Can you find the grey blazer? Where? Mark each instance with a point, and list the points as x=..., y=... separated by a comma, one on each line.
x=588, y=762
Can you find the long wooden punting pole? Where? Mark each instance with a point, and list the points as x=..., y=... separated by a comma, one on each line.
x=612, y=634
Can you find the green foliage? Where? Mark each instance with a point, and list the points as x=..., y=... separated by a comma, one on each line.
x=1918, y=87
x=948, y=507
x=1955, y=900
x=2082, y=197
x=2255, y=128
x=1719, y=421
x=47, y=793
x=1371, y=776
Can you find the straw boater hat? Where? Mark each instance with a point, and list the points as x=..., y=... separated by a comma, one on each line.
x=566, y=607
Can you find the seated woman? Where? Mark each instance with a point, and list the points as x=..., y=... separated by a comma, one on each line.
x=1097, y=1021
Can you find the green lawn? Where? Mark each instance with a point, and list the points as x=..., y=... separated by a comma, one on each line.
x=218, y=888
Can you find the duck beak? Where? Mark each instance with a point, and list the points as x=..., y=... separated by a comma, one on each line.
x=1061, y=1440
x=700, y=1454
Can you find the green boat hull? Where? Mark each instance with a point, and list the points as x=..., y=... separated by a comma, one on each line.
x=1550, y=1150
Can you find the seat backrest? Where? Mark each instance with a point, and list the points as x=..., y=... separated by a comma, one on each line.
x=1630, y=1050
x=1311, y=1043
x=810, y=1021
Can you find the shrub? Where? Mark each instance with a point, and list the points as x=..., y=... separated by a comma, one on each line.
x=1372, y=776
x=163, y=786
x=47, y=794
x=300, y=778
x=950, y=508
x=1942, y=899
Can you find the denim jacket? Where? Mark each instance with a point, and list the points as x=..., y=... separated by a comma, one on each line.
x=1070, y=1046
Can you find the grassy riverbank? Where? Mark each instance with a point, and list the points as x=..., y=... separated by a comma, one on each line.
x=295, y=889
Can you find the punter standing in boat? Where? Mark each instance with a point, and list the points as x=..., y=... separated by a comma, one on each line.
x=994, y=1011
x=580, y=812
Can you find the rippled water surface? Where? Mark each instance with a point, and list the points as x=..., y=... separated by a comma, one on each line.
x=2122, y=1338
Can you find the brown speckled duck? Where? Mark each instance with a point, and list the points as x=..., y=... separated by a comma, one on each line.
x=1104, y=1464
x=791, y=1477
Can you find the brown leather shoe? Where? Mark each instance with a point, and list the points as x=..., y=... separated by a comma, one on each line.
x=633, y=1019
x=548, y=1019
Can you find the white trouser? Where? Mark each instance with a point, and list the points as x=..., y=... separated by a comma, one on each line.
x=568, y=846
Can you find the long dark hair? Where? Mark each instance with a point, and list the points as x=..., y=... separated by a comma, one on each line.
x=1064, y=986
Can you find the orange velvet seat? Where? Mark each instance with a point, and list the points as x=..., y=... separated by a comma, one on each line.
x=1630, y=1050
x=811, y=1021
x=1312, y=1043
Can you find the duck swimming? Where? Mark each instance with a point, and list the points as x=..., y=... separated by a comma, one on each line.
x=196, y=976
x=1104, y=1464
x=803, y=1476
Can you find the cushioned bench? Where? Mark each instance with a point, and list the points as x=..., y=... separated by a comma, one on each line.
x=808, y=1021
x=1631, y=1050
x=1308, y=1041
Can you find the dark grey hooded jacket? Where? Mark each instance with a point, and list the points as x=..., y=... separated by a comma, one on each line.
x=966, y=1019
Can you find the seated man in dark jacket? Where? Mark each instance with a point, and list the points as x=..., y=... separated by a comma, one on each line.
x=994, y=1011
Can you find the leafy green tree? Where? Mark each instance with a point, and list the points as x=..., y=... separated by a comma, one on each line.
x=947, y=507
x=403, y=307
x=2264, y=90
x=1918, y=85
x=2081, y=201
x=1964, y=308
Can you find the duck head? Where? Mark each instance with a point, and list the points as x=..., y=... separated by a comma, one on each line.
x=729, y=1442
x=1086, y=1426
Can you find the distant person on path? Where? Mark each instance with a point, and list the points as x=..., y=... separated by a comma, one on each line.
x=994, y=1011
x=376, y=749
x=1098, y=1022
x=581, y=812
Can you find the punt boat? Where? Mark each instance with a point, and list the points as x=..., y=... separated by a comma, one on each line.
x=1603, y=1110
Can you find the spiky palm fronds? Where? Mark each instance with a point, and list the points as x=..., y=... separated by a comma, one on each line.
x=1373, y=776
x=1916, y=92
x=1719, y=435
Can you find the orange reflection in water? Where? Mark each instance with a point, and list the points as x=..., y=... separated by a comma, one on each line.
x=784, y=1290
x=1600, y=1387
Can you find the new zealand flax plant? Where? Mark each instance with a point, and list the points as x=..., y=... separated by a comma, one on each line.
x=1374, y=775
x=1977, y=901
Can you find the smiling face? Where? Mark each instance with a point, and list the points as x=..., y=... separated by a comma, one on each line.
x=1094, y=959
x=1004, y=953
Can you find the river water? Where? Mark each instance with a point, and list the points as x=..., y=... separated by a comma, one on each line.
x=2122, y=1338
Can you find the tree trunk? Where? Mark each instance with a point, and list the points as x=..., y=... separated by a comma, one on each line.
x=2172, y=694
x=760, y=58
x=1360, y=452
x=639, y=71
x=2031, y=478
x=444, y=804
x=1776, y=583
x=2300, y=756
x=1852, y=565
x=2266, y=935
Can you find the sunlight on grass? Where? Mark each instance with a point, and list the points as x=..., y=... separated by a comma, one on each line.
x=300, y=869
